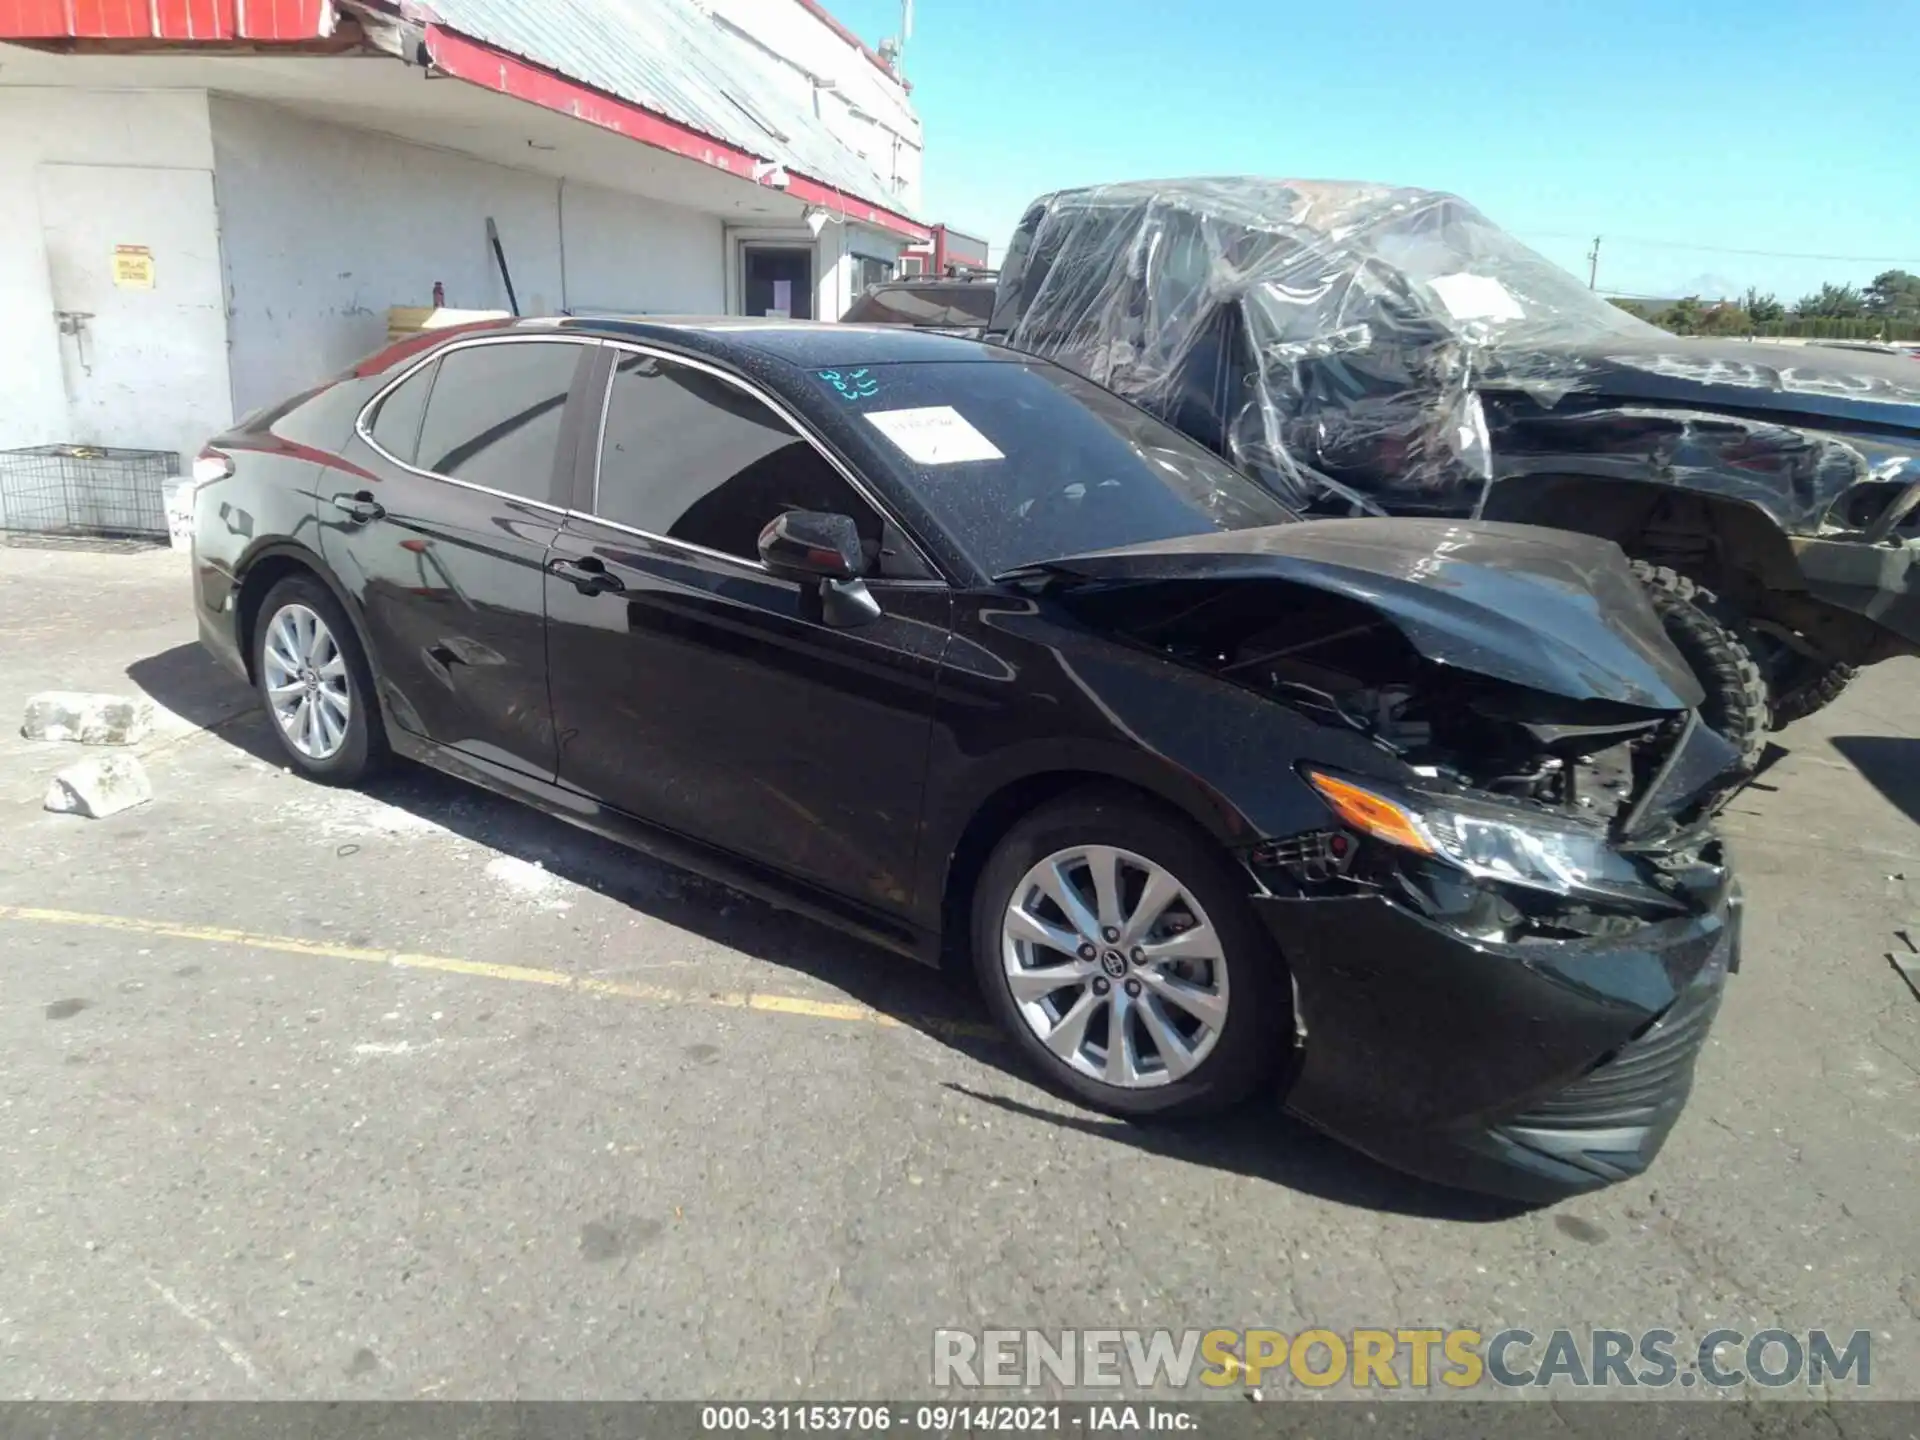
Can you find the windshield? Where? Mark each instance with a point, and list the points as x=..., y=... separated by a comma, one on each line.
x=1027, y=462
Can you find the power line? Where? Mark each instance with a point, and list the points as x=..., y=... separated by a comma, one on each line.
x=1732, y=250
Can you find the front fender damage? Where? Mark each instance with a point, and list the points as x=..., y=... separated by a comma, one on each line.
x=1507, y=984
x=1519, y=663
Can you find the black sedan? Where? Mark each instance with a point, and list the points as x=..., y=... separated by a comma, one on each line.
x=1406, y=821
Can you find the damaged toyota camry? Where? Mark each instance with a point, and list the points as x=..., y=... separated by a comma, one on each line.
x=1406, y=822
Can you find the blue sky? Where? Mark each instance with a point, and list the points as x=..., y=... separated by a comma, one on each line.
x=1787, y=126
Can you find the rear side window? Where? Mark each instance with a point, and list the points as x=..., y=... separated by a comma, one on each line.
x=690, y=457
x=494, y=416
x=396, y=424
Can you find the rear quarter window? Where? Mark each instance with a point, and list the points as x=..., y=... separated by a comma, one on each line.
x=395, y=425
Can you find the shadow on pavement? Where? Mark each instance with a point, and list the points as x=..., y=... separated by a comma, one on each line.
x=1261, y=1141
x=193, y=685
x=1890, y=763
x=1255, y=1140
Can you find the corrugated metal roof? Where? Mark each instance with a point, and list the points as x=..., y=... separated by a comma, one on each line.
x=676, y=59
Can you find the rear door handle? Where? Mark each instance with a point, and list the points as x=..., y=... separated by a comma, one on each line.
x=587, y=575
x=361, y=508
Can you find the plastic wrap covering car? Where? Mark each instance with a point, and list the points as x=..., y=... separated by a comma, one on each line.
x=1391, y=349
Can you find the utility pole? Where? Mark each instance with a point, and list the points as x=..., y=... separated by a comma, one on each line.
x=1593, y=263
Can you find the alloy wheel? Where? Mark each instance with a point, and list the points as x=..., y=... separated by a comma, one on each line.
x=307, y=684
x=1114, y=966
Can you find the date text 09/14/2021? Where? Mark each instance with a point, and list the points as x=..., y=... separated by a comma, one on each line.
x=944, y=1419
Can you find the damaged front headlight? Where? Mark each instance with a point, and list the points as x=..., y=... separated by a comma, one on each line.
x=1487, y=841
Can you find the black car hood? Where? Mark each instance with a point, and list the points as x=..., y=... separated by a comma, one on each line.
x=1547, y=609
x=1813, y=381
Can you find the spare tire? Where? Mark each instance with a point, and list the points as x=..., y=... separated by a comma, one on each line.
x=1716, y=642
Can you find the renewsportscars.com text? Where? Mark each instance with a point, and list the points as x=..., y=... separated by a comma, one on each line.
x=1383, y=1359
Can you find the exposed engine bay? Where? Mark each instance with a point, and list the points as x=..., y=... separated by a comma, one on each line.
x=1337, y=660
x=1638, y=782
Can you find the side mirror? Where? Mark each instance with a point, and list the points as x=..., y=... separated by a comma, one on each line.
x=812, y=545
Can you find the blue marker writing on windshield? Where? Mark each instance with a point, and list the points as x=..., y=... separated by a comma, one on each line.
x=852, y=384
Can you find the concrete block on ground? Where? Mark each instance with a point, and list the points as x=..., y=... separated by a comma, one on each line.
x=88, y=719
x=102, y=786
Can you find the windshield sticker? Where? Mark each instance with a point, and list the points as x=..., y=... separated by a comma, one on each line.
x=852, y=384
x=1476, y=297
x=934, y=435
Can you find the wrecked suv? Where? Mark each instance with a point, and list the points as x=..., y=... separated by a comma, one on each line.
x=1364, y=349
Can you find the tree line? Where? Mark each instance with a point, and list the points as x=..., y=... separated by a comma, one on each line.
x=1887, y=308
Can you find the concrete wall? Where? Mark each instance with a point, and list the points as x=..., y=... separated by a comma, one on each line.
x=162, y=128
x=321, y=227
x=631, y=254
x=325, y=226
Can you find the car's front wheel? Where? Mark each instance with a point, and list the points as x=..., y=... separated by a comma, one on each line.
x=1118, y=948
x=315, y=682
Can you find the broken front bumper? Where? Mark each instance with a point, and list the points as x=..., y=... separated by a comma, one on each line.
x=1534, y=1070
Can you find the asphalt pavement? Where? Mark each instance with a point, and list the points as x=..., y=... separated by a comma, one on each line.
x=417, y=1093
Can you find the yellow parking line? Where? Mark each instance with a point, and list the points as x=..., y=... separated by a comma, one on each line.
x=517, y=974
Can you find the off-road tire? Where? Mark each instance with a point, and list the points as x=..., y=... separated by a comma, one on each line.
x=1258, y=1033
x=1806, y=687
x=1716, y=642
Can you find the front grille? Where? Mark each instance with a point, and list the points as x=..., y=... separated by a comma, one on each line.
x=1642, y=1081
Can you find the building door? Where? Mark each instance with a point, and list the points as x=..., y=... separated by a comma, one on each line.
x=777, y=280
x=133, y=263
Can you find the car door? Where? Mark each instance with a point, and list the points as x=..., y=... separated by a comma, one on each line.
x=695, y=690
x=442, y=536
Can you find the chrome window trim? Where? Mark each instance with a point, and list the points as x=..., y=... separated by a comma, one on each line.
x=792, y=422
x=365, y=431
x=756, y=567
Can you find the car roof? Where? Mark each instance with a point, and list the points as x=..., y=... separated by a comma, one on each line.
x=805, y=343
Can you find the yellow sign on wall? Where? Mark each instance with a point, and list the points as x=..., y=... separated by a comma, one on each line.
x=133, y=267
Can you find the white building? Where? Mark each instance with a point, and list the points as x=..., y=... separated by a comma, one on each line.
x=208, y=205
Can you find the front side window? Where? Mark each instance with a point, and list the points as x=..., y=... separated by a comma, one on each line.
x=494, y=416
x=691, y=457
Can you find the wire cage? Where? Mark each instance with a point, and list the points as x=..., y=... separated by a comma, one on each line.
x=85, y=491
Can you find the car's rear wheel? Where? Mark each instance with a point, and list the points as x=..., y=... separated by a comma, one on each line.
x=1119, y=950
x=1715, y=640
x=315, y=682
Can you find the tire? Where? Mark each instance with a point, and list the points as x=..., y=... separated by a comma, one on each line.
x=1246, y=985
x=1716, y=642
x=358, y=750
x=1802, y=685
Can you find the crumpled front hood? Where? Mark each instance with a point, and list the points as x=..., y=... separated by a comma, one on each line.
x=1812, y=381
x=1546, y=609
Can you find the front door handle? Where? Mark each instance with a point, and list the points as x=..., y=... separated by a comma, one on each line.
x=361, y=509
x=587, y=575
